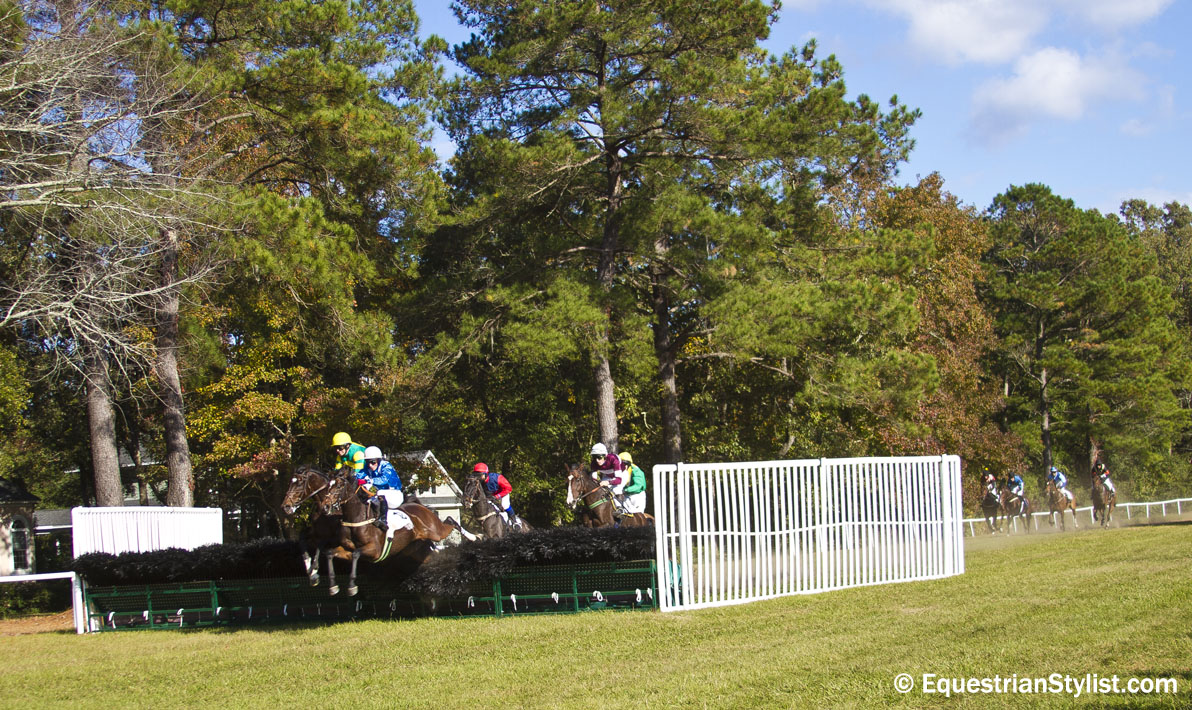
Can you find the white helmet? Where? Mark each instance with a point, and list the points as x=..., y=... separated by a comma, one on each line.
x=599, y=449
x=372, y=452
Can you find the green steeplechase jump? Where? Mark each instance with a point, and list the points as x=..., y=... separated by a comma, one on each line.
x=542, y=589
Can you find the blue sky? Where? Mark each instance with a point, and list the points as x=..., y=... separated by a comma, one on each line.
x=1090, y=97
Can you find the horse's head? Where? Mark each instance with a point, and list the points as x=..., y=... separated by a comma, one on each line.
x=306, y=482
x=473, y=490
x=579, y=483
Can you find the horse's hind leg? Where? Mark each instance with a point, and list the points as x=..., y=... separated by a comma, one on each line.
x=352, y=575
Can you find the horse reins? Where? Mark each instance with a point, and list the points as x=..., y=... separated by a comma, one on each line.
x=597, y=504
x=308, y=496
x=474, y=501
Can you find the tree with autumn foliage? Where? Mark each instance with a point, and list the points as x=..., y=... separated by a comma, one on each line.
x=960, y=416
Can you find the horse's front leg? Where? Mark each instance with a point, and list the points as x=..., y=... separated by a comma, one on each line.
x=352, y=576
x=332, y=587
x=311, y=564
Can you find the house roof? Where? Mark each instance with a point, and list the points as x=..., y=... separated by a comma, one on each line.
x=425, y=456
x=52, y=518
x=12, y=490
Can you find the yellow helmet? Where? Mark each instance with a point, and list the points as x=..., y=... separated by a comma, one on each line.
x=626, y=457
x=341, y=439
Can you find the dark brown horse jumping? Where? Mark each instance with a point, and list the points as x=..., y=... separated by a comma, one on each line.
x=1104, y=501
x=343, y=526
x=594, y=505
x=486, y=512
x=1057, y=502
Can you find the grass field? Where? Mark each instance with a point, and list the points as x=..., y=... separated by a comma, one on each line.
x=1104, y=602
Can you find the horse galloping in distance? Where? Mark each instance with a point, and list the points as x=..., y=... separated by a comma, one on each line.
x=594, y=504
x=1015, y=506
x=343, y=526
x=1057, y=502
x=1104, y=501
x=486, y=511
x=991, y=508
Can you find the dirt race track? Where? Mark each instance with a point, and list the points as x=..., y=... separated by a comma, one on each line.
x=62, y=621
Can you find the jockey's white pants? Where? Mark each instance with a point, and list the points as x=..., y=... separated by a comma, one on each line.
x=394, y=518
x=636, y=503
x=392, y=496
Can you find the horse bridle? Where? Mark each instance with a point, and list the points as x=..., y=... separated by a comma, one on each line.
x=327, y=484
x=597, y=489
x=469, y=500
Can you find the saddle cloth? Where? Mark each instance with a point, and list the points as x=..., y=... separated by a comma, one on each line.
x=397, y=519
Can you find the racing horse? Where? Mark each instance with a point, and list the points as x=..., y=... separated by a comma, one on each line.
x=1016, y=507
x=343, y=525
x=1104, y=502
x=594, y=504
x=1057, y=502
x=486, y=511
x=991, y=507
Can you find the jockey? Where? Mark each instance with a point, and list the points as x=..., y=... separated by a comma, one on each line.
x=380, y=474
x=347, y=453
x=607, y=468
x=635, y=489
x=989, y=483
x=498, y=487
x=1014, y=484
x=1061, y=481
x=1101, y=472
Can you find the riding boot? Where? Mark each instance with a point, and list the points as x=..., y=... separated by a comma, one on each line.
x=382, y=513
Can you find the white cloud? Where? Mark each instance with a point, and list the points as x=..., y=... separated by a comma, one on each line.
x=997, y=31
x=1050, y=83
x=1115, y=14
x=1137, y=127
x=1162, y=111
x=986, y=31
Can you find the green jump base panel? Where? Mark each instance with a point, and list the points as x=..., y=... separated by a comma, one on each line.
x=547, y=589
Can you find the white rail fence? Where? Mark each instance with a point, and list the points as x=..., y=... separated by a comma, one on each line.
x=143, y=529
x=731, y=533
x=973, y=524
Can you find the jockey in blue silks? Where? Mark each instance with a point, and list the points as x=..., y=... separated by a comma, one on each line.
x=380, y=475
x=1061, y=481
x=1014, y=484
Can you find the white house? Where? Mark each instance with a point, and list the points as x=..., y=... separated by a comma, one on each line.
x=16, y=528
x=420, y=471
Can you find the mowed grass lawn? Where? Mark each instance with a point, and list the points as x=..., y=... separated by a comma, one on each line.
x=1105, y=602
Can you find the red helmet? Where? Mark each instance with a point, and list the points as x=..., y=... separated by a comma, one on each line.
x=480, y=468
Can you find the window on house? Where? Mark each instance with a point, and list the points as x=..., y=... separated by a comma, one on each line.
x=20, y=546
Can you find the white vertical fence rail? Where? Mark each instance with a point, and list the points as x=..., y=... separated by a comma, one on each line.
x=730, y=533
